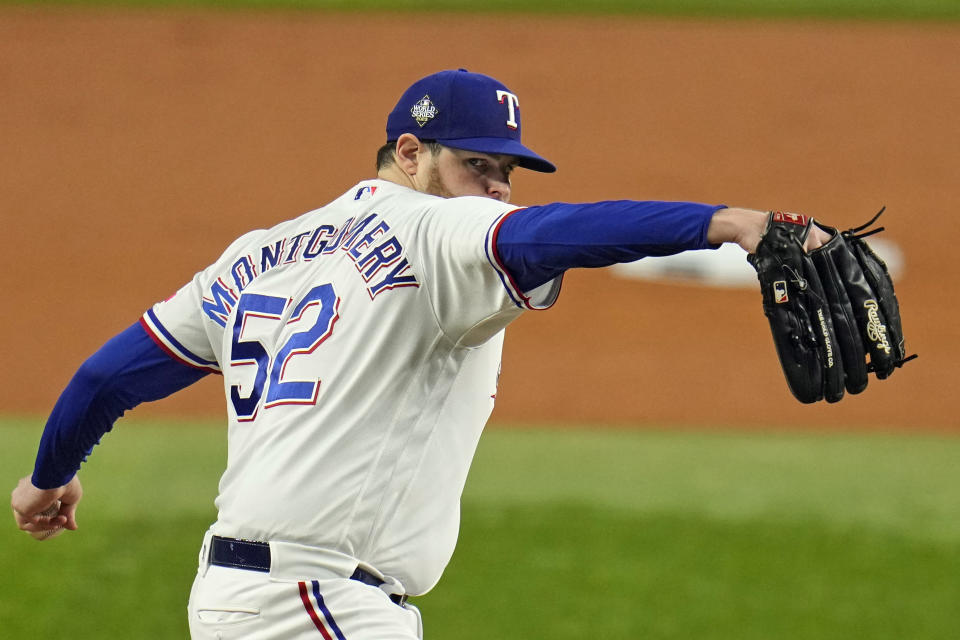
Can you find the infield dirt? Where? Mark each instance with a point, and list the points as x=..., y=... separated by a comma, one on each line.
x=137, y=145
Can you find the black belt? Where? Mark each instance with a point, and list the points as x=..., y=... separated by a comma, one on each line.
x=255, y=556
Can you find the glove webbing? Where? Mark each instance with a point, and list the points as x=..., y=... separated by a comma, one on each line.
x=855, y=233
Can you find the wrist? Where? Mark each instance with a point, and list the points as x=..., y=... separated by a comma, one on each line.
x=741, y=226
x=50, y=482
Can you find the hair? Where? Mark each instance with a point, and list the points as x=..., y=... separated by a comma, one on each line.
x=386, y=156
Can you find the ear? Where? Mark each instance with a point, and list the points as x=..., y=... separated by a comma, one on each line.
x=408, y=152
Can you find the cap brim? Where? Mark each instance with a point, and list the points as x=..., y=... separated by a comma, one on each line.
x=505, y=146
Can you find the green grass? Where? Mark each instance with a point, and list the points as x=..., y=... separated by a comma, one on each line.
x=566, y=534
x=126, y=572
x=859, y=9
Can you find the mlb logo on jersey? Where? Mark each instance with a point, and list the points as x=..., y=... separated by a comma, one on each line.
x=365, y=193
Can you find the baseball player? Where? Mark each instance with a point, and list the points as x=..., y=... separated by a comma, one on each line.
x=360, y=347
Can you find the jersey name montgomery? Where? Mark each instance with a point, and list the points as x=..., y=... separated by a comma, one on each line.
x=375, y=252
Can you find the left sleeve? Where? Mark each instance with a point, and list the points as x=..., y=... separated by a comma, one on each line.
x=129, y=369
x=537, y=244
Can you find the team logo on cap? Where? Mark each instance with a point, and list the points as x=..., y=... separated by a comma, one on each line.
x=512, y=103
x=424, y=111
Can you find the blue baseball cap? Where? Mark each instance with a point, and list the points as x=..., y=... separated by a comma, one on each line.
x=467, y=111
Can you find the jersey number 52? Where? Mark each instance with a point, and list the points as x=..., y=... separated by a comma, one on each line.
x=271, y=365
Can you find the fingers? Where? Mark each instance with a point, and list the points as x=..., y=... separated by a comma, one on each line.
x=44, y=513
x=27, y=500
x=47, y=518
x=816, y=238
x=46, y=522
x=53, y=525
x=73, y=492
x=68, y=511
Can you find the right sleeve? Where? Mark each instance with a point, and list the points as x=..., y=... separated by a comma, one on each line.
x=168, y=349
x=189, y=324
x=179, y=323
x=128, y=370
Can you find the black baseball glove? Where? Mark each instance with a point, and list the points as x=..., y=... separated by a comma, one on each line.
x=828, y=309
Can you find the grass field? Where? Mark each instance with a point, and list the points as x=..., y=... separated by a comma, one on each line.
x=566, y=534
x=844, y=9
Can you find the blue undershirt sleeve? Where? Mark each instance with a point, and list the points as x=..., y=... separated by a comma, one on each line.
x=126, y=371
x=538, y=243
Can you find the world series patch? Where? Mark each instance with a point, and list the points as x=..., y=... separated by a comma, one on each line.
x=424, y=110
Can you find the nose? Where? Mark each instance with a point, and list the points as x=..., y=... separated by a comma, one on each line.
x=499, y=190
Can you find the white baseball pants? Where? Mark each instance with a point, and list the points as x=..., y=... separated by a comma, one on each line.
x=227, y=604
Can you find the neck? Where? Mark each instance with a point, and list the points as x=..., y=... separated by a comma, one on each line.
x=394, y=174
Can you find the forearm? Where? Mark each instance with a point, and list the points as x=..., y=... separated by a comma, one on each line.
x=128, y=370
x=537, y=244
x=740, y=226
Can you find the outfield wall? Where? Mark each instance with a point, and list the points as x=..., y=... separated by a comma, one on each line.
x=137, y=145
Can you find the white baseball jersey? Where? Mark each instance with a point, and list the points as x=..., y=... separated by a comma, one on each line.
x=360, y=347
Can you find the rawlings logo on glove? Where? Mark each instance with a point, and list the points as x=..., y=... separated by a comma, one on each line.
x=828, y=309
x=875, y=329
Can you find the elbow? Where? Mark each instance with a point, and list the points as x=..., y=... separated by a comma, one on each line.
x=98, y=376
x=92, y=378
x=100, y=389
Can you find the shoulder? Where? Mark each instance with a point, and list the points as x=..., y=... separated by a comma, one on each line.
x=475, y=205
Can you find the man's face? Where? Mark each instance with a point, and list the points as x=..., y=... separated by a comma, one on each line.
x=455, y=172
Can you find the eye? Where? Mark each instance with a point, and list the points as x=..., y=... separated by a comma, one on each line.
x=480, y=164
